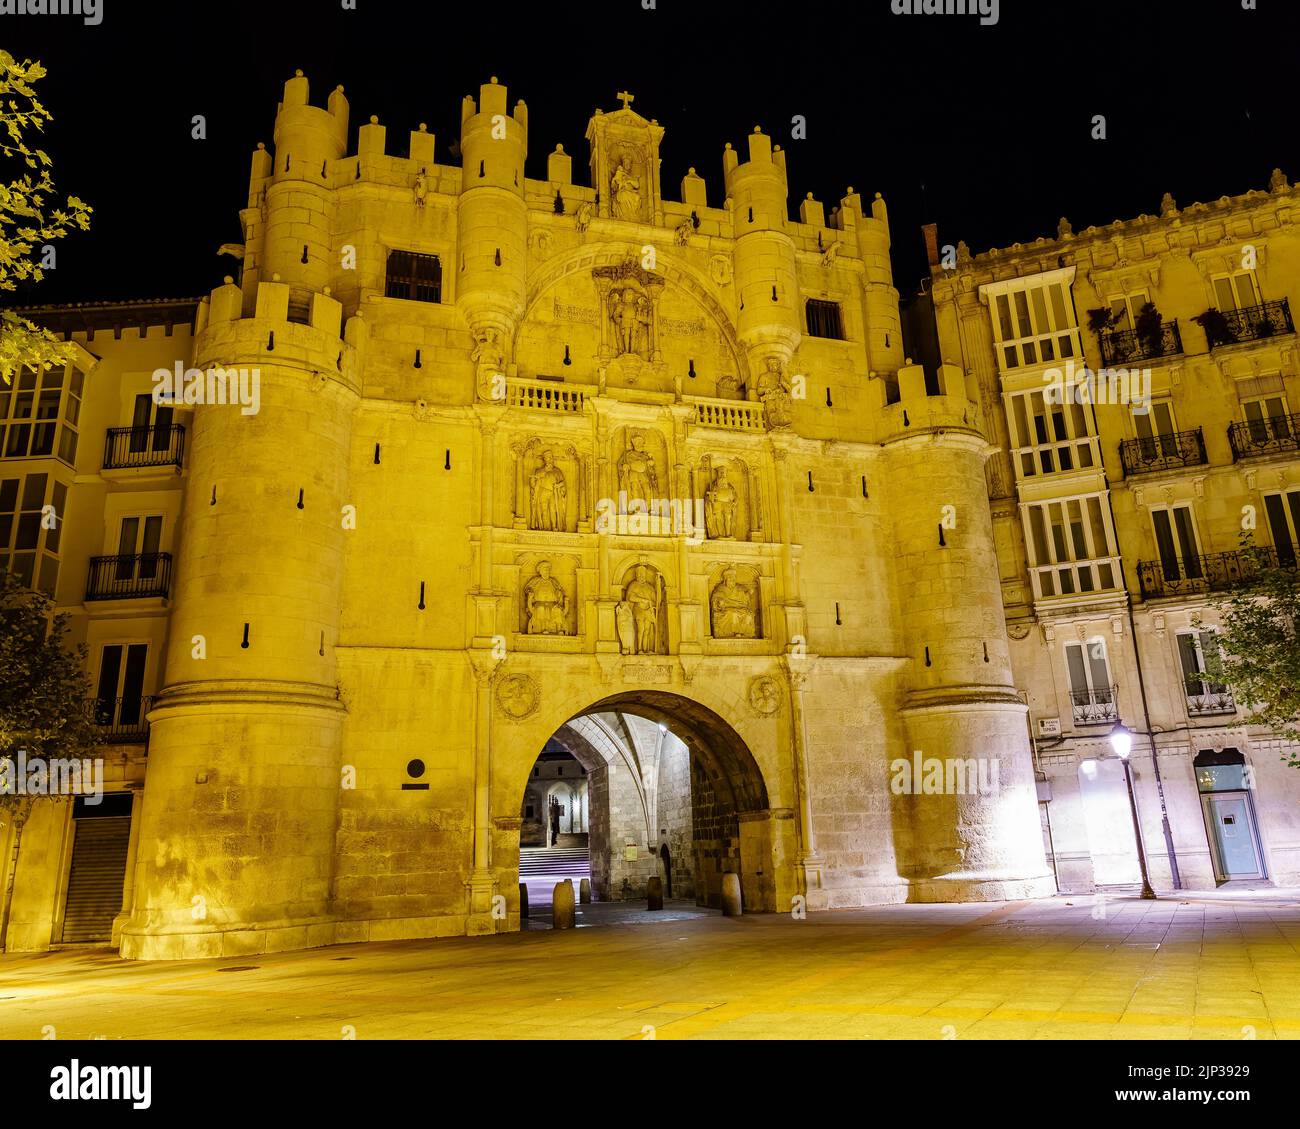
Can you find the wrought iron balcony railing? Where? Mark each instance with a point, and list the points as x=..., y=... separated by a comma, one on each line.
x=130, y=447
x=1095, y=707
x=121, y=721
x=1264, y=436
x=1250, y=323
x=130, y=577
x=1211, y=703
x=1208, y=572
x=1124, y=346
x=1163, y=452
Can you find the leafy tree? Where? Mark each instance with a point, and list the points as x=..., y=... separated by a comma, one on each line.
x=1258, y=651
x=44, y=706
x=30, y=217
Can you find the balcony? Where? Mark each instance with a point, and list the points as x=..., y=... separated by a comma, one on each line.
x=1206, y=572
x=1125, y=346
x=1271, y=436
x=1251, y=323
x=1211, y=703
x=130, y=448
x=1095, y=707
x=133, y=577
x=1163, y=452
x=121, y=721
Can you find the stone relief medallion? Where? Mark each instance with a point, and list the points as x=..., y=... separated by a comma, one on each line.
x=518, y=696
x=764, y=696
x=1018, y=631
x=720, y=270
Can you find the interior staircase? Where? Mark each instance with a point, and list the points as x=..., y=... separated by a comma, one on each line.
x=540, y=868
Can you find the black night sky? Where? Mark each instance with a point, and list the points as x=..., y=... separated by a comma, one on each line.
x=985, y=130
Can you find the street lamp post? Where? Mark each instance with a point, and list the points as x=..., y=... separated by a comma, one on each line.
x=1121, y=740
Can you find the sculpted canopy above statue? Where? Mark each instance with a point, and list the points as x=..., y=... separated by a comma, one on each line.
x=629, y=296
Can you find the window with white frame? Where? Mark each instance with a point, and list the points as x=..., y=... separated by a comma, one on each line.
x=1034, y=323
x=1176, y=542
x=1267, y=418
x=30, y=534
x=1071, y=545
x=39, y=415
x=1125, y=309
x=1049, y=437
x=1235, y=291
x=1204, y=695
x=1092, y=696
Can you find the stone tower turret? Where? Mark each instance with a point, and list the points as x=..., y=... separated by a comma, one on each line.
x=956, y=843
x=492, y=225
x=239, y=822
x=766, y=281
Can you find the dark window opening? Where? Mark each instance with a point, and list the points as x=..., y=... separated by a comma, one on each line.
x=824, y=319
x=417, y=278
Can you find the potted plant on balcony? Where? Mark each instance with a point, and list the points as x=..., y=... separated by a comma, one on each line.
x=1217, y=329
x=1102, y=320
x=1149, y=330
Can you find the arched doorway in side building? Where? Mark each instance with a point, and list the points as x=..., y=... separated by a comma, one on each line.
x=1228, y=805
x=637, y=786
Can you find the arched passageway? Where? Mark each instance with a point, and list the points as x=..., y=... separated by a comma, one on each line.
x=670, y=790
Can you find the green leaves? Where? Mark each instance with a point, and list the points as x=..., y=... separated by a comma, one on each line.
x=28, y=222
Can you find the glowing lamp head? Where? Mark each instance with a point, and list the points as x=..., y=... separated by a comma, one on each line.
x=1121, y=740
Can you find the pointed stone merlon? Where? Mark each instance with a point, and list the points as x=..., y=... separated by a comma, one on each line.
x=422, y=146
x=559, y=167
x=812, y=211
x=693, y=190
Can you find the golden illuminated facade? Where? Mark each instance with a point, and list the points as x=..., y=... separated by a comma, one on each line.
x=522, y=464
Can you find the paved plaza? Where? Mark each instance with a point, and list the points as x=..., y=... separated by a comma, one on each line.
x=1202, y=966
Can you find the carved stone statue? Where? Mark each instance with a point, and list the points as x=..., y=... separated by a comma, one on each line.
x=631, y=321
x=544, y=603
x=682, y=233
x=637, y=478
x=625, y=191
x=625, y=625
x=642, y=598
x=774, y=392
x=582, y=217
x=720, y=506
x=735, y=608
x=1278, y=181
x=421, y=188
x=546, y=496
x=489, y=360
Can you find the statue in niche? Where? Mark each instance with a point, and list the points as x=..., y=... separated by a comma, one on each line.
x=421, y=188
x=720, y=506
x=637, y=479
x=625, y=191
x=546, y=496
x=489, y=360
x=638, y=621
x=774, y=392
x=735, y=607
x=544, y=603
x=630, y=313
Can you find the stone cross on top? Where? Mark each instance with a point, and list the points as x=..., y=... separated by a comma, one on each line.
x=626, y=98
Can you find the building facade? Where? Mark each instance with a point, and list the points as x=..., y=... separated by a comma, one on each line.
x=463, y=465
x=1140, y=382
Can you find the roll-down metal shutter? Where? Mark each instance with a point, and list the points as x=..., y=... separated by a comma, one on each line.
x=98, y=870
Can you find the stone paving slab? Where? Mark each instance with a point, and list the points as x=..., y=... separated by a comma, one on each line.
x=1026, y=970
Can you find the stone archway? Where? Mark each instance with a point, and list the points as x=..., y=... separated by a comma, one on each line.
x=663, y=769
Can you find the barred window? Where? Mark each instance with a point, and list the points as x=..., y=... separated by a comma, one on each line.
x=824, y=319
x=417, y=278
